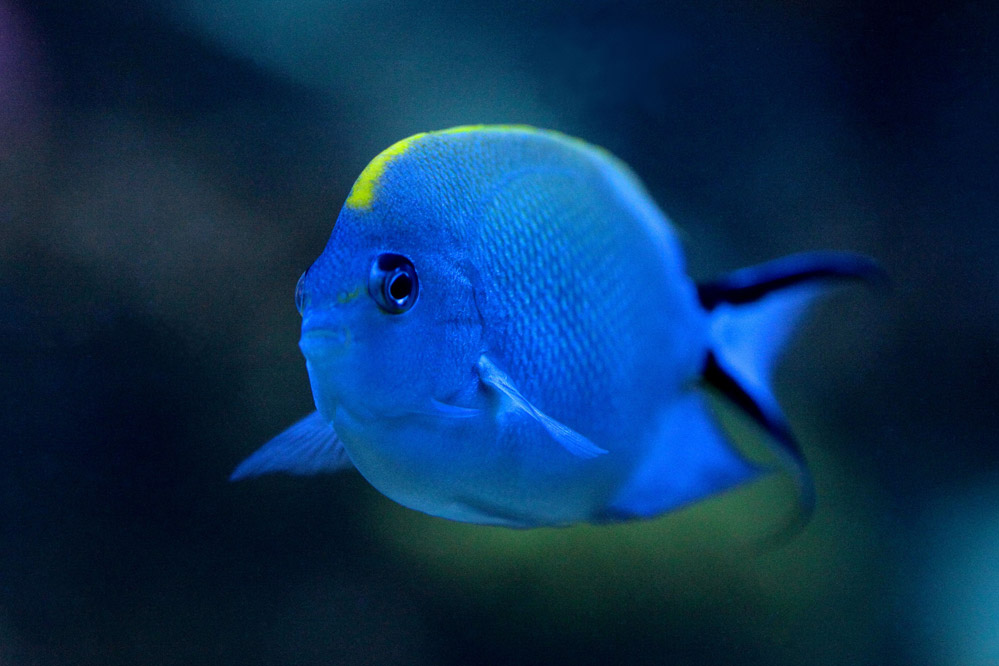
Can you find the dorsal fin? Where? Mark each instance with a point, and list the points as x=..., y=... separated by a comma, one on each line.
x=750, y=284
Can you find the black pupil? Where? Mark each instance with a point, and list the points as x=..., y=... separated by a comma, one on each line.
x=393, y=283
x=400, y=287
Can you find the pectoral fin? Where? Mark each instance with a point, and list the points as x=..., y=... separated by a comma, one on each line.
x=568, y=438
x=308, y=447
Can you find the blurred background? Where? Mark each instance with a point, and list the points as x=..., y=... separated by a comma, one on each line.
x=169, y=169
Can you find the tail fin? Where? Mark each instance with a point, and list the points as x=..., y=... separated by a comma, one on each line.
x=753, y=313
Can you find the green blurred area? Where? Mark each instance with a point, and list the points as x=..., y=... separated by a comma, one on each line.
x=713, y=566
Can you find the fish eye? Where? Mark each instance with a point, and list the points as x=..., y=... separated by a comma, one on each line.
x=301, y=298
x=393, y=283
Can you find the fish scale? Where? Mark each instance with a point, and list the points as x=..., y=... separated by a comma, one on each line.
x=562, y=309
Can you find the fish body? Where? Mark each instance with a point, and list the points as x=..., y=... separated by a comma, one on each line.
x=501, y=331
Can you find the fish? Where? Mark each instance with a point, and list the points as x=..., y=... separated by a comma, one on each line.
x=501, y=330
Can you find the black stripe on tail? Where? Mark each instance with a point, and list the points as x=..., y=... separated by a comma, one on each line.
x=775, y=424
x=743, y=379
x=751, y=284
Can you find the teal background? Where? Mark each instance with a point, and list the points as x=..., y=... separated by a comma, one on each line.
x=169, y=169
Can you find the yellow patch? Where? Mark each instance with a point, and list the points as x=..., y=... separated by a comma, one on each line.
x=348, y=296
x=362, y=194
x=461, y=129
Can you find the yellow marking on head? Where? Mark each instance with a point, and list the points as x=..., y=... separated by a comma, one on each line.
x=348, y=296
x=362, y=194
x=599, y=151
x=461, y=129
x=527, y=129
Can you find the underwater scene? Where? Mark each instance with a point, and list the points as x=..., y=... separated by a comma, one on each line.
x=447, y=334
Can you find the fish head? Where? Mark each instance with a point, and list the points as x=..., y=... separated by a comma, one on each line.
x=389, y=322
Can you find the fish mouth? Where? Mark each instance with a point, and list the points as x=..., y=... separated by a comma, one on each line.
x=325, y=340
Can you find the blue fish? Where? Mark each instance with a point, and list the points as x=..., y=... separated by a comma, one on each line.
x=501, y=331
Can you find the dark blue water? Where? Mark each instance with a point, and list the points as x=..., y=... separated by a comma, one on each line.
x=168, y=170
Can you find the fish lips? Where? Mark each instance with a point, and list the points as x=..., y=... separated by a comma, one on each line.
x=324, y=339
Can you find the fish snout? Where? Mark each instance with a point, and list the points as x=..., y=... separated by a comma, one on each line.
x=326, y=340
